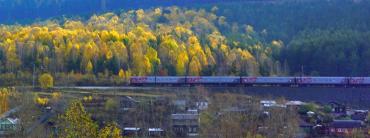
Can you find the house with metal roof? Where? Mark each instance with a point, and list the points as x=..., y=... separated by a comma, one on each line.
x=132, y=131
x=156, y=132
x=345, y=127
x=8, y=126
x=185, y=124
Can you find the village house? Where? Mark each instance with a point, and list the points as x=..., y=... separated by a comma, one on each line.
x=185, y=124
x=271, y=104
x=295, y=104
x=8, y=126
x=358, y=115
x=338, y=108
x=344, y=127
x=202, y=105
x=156, y=132
x=140, y=132
x=132, y=131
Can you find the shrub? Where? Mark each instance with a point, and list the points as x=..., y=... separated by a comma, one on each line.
x=46, y=81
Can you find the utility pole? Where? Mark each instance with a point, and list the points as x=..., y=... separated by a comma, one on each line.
x=33, y=76
x=302, y=71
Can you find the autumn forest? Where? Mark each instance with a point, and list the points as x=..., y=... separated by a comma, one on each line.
x=162, y=41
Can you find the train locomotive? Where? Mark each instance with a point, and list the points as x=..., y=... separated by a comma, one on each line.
x=248, y=81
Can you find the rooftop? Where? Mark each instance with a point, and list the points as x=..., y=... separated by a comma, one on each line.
x=131, y=129
x=346, y=124
x=295, y=103
x=184, y=116
x=9, y=121
x=268, y=102
x=155, y=129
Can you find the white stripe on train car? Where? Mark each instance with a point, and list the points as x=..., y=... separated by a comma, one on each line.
x=267, y=80
x=213, y=79
x=142, y=79
x=170, y=79
x=321, y=80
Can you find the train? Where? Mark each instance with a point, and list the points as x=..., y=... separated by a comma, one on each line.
x=248, y=81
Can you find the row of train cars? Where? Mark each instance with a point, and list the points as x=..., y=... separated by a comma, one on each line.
x=247, y=81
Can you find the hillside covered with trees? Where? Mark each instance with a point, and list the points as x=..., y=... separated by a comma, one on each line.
x=161, y=41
